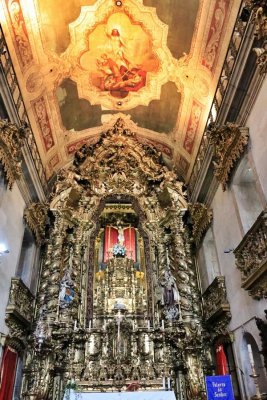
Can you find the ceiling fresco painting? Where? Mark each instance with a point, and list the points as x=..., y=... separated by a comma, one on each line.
x=81, y=64
x=78, y=114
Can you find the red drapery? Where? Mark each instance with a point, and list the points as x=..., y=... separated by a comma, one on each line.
x=8, y=372
x=129, y=243
x=111, y=238
x=221, y=361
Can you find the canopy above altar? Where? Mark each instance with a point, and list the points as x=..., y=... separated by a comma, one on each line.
x=144, y=395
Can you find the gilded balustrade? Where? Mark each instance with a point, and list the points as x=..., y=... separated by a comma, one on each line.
x=216, y=306
x=19, y=312
x=251, y=258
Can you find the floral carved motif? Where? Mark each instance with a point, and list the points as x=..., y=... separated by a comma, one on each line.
x=192, y=126
x=229, y=143
x=251, y=258
x=19, y=311
x=21, y=37
x=35, y=216
x=259, y=16
x=41, y=114
x=202, y=218
x=11, y=142
x=216, y=306
x=215, y=34
x=261, y=53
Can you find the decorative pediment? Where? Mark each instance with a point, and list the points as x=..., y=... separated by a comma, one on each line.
x=229, y=142
x=251, y=258
x=35, y=215
x=11, y=143
x=117, y=163
x=202, y=218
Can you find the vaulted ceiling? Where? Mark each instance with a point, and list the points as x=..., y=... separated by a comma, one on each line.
x=81, y=64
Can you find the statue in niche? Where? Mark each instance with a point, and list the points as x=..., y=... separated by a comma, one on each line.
x=170, y=290
x=66, y=293
x=170, y=296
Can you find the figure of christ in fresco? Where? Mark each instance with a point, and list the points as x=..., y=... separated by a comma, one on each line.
x=120, y=57
x=119, y=76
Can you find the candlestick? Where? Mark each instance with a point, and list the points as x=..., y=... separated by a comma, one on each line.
x=75, y=325
x=58, y=305
x=250, y=354
x=148, y=324
x=163, y=383
x=162, y=324
x=169, y=383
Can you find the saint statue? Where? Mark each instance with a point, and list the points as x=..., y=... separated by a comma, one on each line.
x=170, y=291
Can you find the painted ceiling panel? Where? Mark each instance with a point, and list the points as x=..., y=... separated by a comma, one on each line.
x=83, y=63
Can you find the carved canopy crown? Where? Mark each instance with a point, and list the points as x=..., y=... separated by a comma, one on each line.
x=229, y=143
x=35, y=215
x=117, y=163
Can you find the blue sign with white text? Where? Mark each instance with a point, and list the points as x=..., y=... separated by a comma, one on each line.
x=219, y=387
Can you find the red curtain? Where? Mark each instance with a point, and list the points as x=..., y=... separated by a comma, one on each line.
x=111, y=238
x=8, y=372
x=129, y=243
x=221, y=361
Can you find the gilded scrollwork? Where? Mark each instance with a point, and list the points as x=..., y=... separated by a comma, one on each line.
x=124, y=320
x=216, y=307
x=202, y=218
x=251, y=259
x=11, y=144
x=261, y=53
x=229, y=142
x=35, y=215
x=259, y=16
x=19, y=312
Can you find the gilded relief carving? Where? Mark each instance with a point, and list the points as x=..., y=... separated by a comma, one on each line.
x=11, y=143
x=229, y=143
x=251, y=259
x=202, y=218
x=118, y=299
x=35, y=215
x=19, y=313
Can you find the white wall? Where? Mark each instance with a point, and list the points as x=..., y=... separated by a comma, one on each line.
x=11, y=233
x=257, y=123
x=234, y=212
